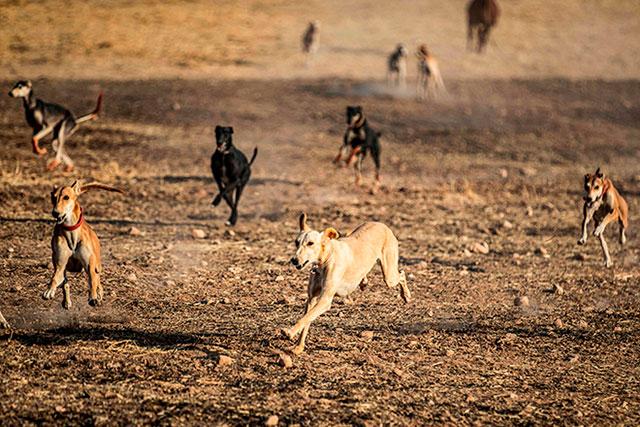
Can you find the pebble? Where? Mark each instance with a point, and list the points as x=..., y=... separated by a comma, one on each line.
x=543, y=252
x=582, y=324
x=197, y=233
x=279, y=278
x=285, y=361
x=521, y=301
x=229, y=233
x=135, y=231
x=273, y=420
x=579, y=257
x=507, y=224
x=132, y=277
x=480, y=248
x=558, y=323
x=450, y=353
x=225, y=360
x=367, y=335
x=557, y=289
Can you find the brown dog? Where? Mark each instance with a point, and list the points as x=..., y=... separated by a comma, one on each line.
x=74, y=243
x=603, y=204
x=340, y=265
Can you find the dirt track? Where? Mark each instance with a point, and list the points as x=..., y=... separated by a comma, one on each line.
x=500, y=161
x=460, y=352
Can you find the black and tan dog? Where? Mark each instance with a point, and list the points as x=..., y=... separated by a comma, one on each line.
x=359, y=139
x=231, y=170
x=45, y=117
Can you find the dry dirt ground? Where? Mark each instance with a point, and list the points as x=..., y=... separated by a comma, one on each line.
x=498, y=162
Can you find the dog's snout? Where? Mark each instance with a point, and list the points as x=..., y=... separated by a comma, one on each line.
x=55, y=213
x=294, y=261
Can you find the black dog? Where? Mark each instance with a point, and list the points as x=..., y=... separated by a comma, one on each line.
x=360, y=139
x=230, y=170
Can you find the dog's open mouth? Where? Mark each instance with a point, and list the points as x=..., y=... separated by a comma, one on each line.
x=301, y=266
x=61, y=219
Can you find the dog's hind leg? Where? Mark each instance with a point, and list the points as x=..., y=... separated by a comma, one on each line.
x=605, y=251
x=389, y=264
x=37, y=136
x=299, y=348
x=66, y=290
x=623, y=236
x=3, y=322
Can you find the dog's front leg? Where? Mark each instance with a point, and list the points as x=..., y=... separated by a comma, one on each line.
x=225, y=192
x=299, y=348
x=3, y=322
x=60, y=258
x=323, y=304
x=95, y=289
x=587, y=215
x=603, y=224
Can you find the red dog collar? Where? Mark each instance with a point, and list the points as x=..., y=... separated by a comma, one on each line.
x=76, y=226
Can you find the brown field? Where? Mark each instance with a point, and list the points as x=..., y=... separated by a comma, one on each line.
x=500, y=161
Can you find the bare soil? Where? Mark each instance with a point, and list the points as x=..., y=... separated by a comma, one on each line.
x=498, y=162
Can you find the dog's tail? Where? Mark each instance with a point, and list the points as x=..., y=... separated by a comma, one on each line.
x=255, y=153
x=379, y=134
x=94, y=114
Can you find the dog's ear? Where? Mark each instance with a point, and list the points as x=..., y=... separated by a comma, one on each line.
x=303, y=222
x=77, y=184
x=97, y=186
x=331, y=233
x=230, y=129
x=599, y=173
x=29, y=84
x=587, y=177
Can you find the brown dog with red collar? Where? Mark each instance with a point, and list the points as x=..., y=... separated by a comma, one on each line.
x=603, y=204
x=74, y=243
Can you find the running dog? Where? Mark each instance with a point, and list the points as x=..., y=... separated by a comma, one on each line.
x=359, y=139
x=340, y=265
x=230, y=170
x=311, y=41
x=397, y=67
x=44, y=118
x=430, y=82
x=74, y=243
x=603, y=204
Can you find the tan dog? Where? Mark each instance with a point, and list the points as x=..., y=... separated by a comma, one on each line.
x=603, y=204
x=340, y=265
x=430, y=83
x=74, y=243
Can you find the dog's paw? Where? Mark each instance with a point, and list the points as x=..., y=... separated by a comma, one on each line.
x=37, y=149
x=49, y=293
x=95, y=302
x=66, y=304
x=216, y=200
x=297, y=350
x=5, y=325
x=582, y=241
x=68, y=168
x=608, y=263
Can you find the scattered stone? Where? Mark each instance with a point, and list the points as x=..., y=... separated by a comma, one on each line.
x=549, y=206
x=367, y=335
x=582, y=324
x=480, y=248
x=225, y=300
x=16, y=288
x=450, y=353
x=229, y=233
x=574, y=359
x=507, y=224
x=557, y=289
x=504, y=173
x=507, y=340
x=541, y=251
x=132, y=277
x=430, y=313
x=279, y=278
x=197, y=233
x=411, y=276
x=527, y=171
x=285, y=360
x=579, y=257
x=273, y=420
x=287, y=300
x=521, y=301
x=558, y=323
x=529, y=211
x=225, y=360
x=617, y=329
x=135, y=231
x=176, y=106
